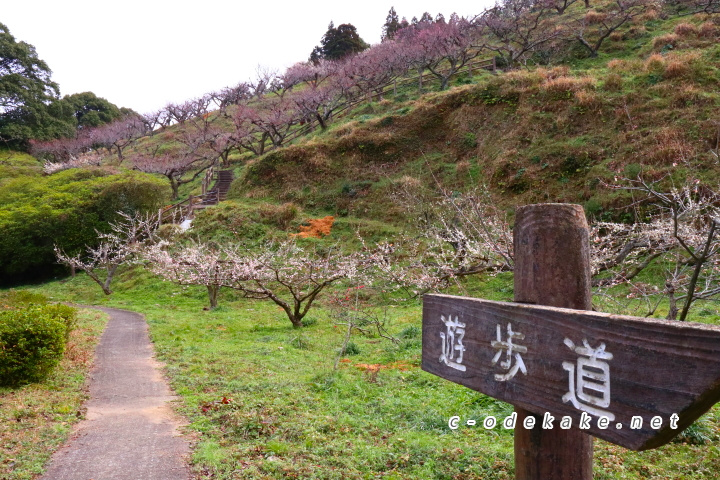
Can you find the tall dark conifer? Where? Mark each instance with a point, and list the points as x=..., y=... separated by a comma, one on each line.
x=392, y=25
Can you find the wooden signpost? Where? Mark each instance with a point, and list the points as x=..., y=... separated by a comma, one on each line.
x=573, y=373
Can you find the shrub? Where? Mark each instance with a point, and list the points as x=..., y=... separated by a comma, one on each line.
x=66, y=209
x=66, y=314
x=32, y=342
x=350, y=349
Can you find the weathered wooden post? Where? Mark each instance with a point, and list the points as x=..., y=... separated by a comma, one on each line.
x=570, y=373
x=552, y=267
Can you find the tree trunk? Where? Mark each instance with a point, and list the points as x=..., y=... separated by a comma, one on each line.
x=700, y=262
x=321, y=121
x=672, y=310
x=174, y=185
x=213, y=291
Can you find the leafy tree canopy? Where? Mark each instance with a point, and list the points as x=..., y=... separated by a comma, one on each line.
x=25, y=90
x=88, y=110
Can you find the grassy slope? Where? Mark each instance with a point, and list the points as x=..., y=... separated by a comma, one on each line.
x=555, y=134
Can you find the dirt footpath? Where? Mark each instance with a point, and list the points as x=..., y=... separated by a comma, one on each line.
x=130, y=431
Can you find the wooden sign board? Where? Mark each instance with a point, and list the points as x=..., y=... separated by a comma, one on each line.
x=626, y=380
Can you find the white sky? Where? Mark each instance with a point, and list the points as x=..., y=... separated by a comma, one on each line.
x=143, y=54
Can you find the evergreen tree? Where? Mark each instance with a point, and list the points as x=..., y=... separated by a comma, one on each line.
x=392, y=25
x=338, y=43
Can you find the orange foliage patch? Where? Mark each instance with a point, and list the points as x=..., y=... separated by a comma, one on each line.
x=319, y=227
x=373, y=367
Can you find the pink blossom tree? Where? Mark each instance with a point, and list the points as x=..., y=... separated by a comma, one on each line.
x=246, y=134
x=272, y=116
x=179, y=165
x=443, y=48
x=371, y=70
x=118, y=135
x=518, y=28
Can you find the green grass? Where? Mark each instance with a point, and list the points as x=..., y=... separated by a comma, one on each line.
x=37, y=418
x=265, y=402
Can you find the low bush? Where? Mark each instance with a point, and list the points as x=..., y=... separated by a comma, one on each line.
x=32, y=342
x=66, y=314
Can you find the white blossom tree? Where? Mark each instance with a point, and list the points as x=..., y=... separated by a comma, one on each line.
x=192, y=264
x=285, y=273
x=681, y=235
x=459, y=235
x=114, y=248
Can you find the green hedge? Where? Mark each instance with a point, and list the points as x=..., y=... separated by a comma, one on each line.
x=65, y=209
x=32, y=342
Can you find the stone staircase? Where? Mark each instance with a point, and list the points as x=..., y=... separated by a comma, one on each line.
x=183, y=212
x=219, y=191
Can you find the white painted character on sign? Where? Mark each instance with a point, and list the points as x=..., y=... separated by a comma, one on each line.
x=589, y=389
x=513, y=361
x=452, y=343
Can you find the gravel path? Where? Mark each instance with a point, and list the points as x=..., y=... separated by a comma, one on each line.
x=130, y=431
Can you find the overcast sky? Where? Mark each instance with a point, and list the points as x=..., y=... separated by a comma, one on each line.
x=143, y=54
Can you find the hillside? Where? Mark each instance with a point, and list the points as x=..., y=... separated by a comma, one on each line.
x=544, y=135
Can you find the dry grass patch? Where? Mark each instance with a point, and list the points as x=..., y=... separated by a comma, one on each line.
x=686, y=30
x=667, y=40
x=258, y=193
x=708, y=30
x=613, y=83
x=670, y=148
x=593, y=18
x=588, y=99
x=567, y=86
x=655, y=63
